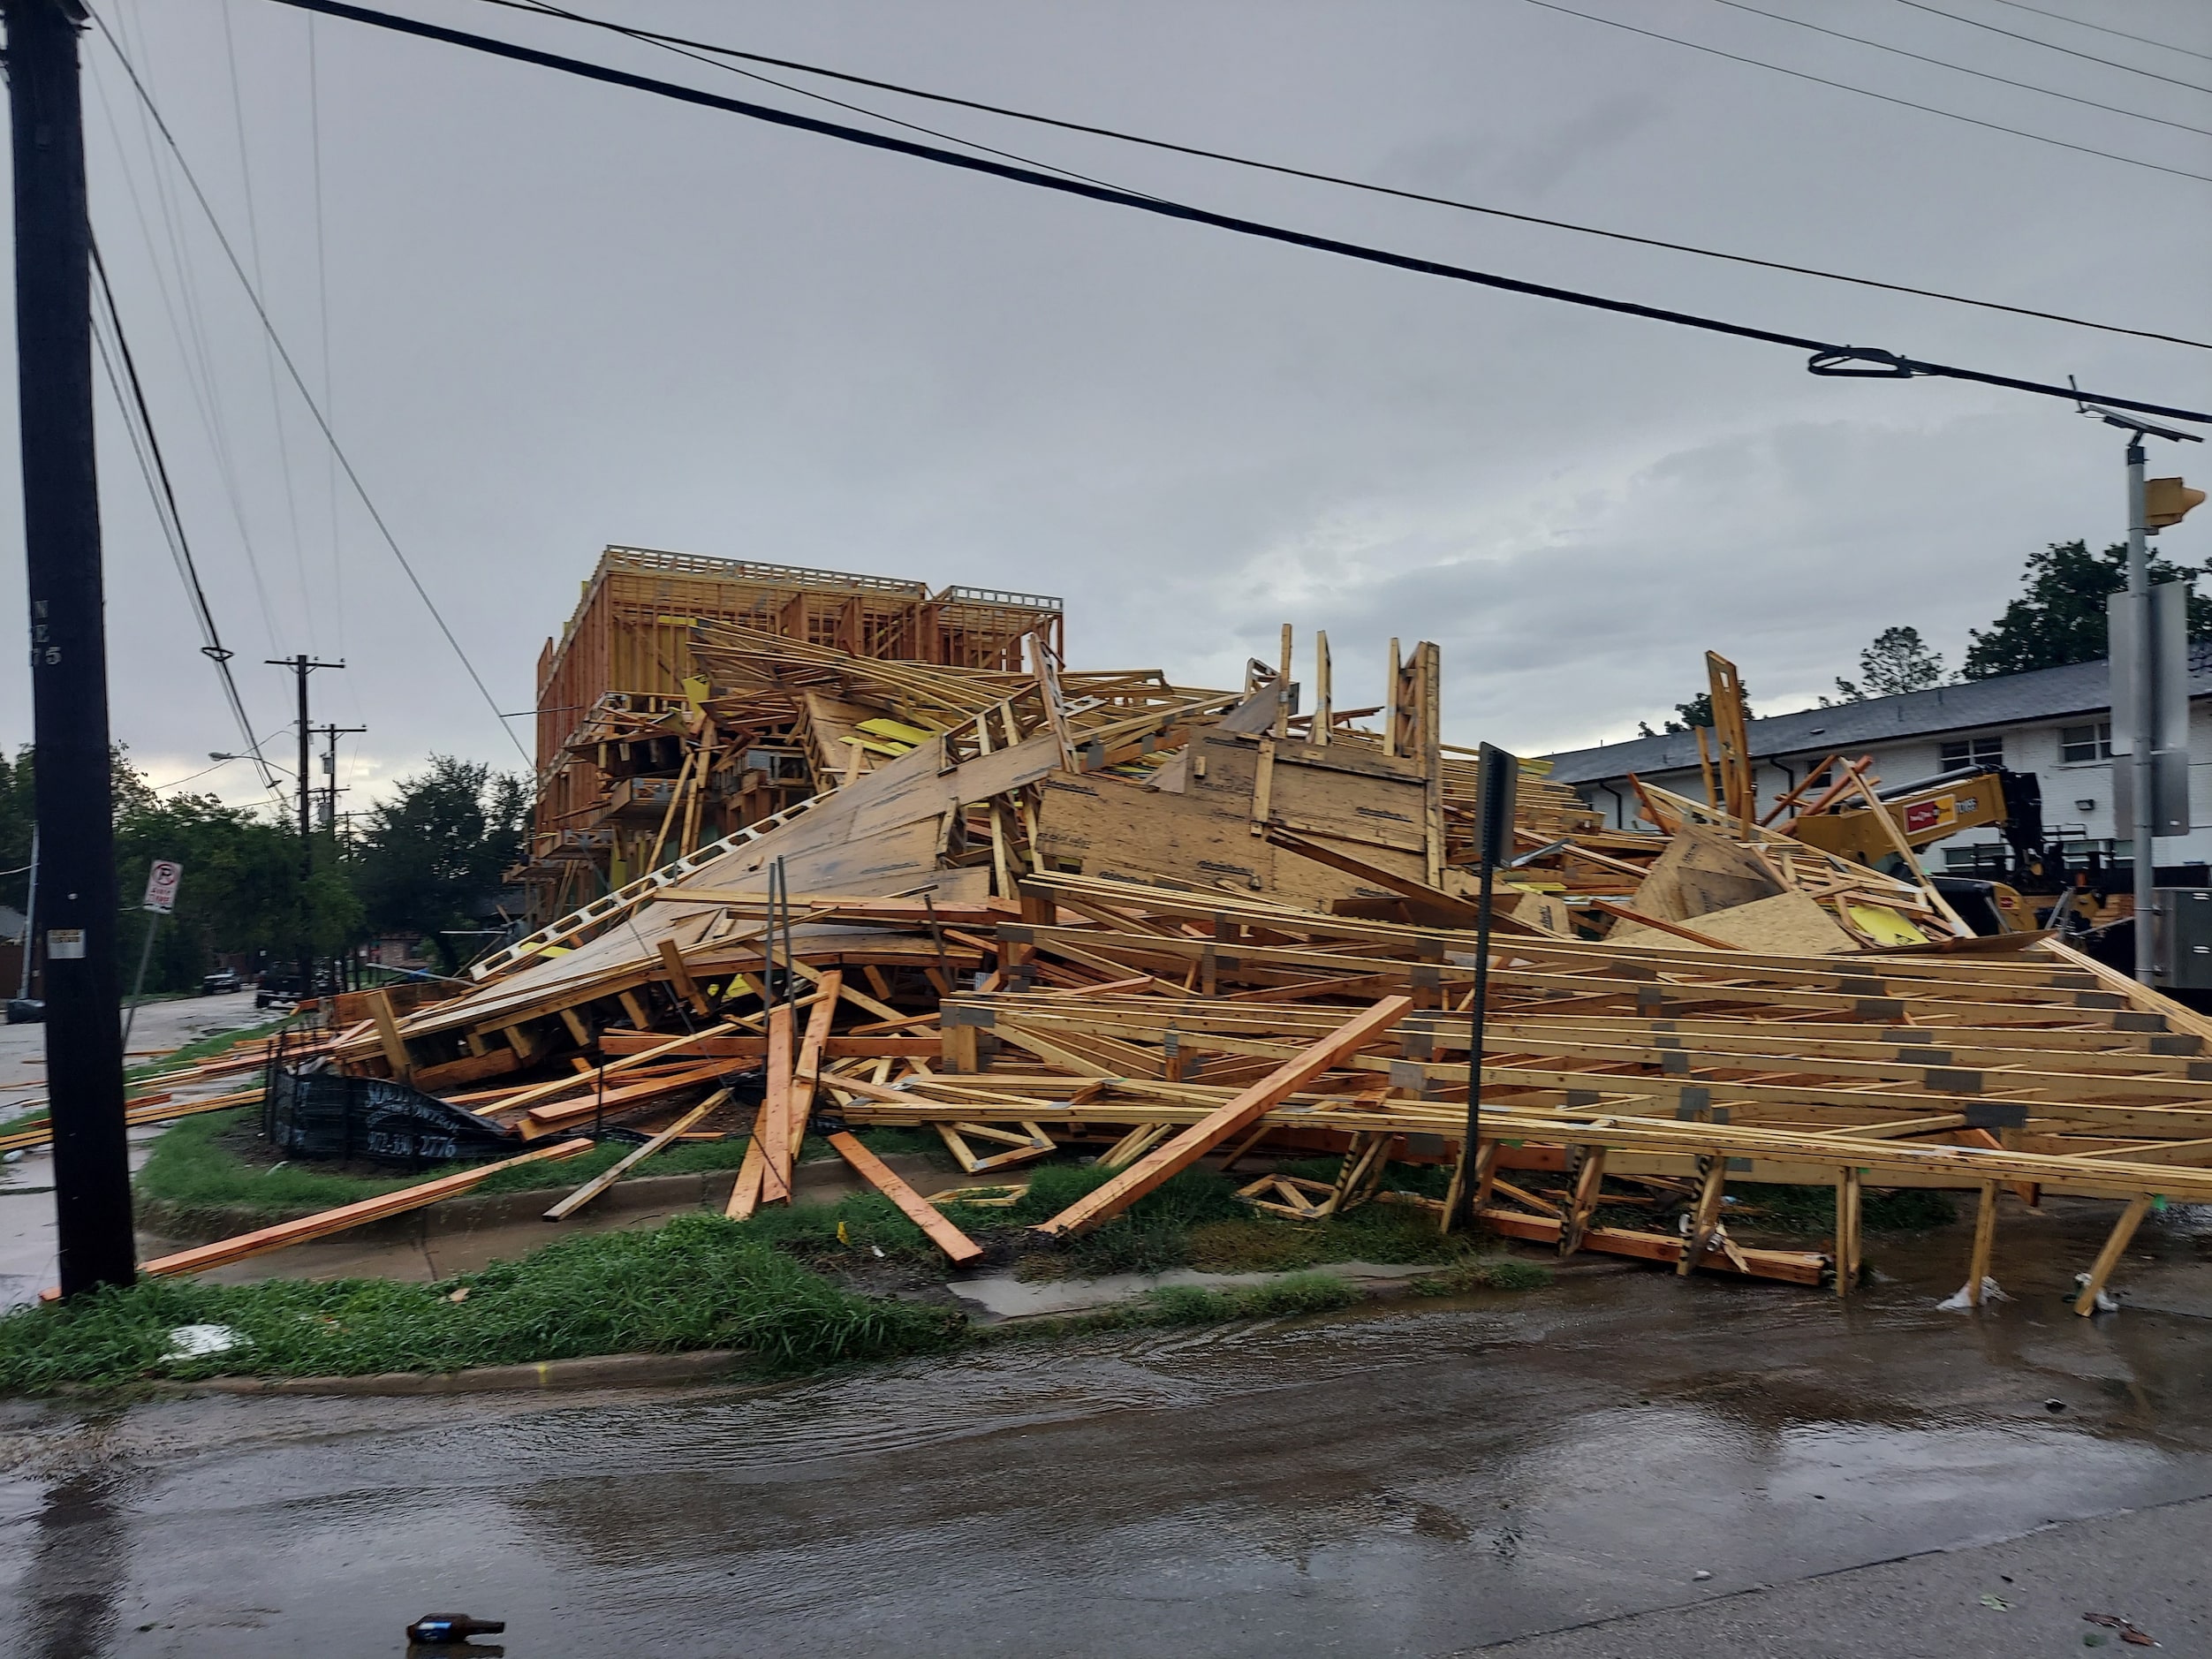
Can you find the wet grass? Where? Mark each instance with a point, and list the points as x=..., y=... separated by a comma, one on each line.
x=1812, y=1209
x=194, y=1174
x=699, y=1282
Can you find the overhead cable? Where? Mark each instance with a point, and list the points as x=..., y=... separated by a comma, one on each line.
x=1844, y=86
x=1979, y=74
x=691, y=47
x=291, y=370
x=1828, y=357
x=138, y=421
x=2013, y=35
x=2103, y=28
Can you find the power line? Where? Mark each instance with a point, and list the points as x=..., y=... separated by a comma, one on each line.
x=191, y=335
x=138, y=421
x=2019, y=5
x=692, y=49
x=1844, y=86
x=254, y=246
x=542, y=8
x=298, y=382
x=1827, y=357
x=1979, y=74
x=2013, y=35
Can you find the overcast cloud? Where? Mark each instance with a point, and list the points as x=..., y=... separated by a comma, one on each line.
x=561, y=315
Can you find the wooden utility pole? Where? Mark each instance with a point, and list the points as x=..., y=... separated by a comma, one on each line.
x=302, y=666
x=76, y=899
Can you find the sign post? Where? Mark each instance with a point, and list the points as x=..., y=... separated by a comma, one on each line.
x=1497, y=775
x=161, y=898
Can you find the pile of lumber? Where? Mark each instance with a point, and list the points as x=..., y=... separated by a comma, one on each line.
x=1098, y=912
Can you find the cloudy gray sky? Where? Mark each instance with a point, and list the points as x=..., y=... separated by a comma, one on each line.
x=550, y=314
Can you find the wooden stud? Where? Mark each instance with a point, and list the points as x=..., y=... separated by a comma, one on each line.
x=956, y=1245
x=388, y=1035
x=1848, y=1194
x=2109, y=1258
x=1985, y=1237
x=607, y=1178
x=1711, y=1191
x=773, y=1130
x=1324, y=699
x=1247, y=1107
x=1589, y=1182
x=679, y=976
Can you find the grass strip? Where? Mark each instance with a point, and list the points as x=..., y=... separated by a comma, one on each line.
x=700, y=1282
x=194, y=1171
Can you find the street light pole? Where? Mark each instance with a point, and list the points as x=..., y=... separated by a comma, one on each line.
x=76, y=899
x=2141, y=714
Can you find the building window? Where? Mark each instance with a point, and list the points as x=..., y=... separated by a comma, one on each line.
x=1971, y=754
x=2086, y=743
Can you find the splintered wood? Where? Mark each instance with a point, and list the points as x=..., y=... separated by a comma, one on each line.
x=1039, y=912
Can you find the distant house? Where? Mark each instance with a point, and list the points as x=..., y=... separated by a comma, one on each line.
x=2055, y=723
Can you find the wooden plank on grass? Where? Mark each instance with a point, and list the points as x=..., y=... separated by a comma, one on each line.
x=225, y=1251
x=1239, y=1114
x=916, y=1209
x=607, y=1178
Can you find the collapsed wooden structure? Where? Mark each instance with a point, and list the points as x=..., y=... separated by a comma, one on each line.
x=1035, y=910
x=638, y=760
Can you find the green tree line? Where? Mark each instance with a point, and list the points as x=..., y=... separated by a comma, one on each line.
x=2058, y=619
x=428, y=860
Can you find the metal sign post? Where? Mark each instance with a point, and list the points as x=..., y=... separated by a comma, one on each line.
x=1497, y=777
x=160, y=900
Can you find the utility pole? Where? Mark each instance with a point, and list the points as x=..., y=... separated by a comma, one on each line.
x=2135, y=706
x=76, y=899
x=302, y=666
x=2141, y=716
x=330, y=736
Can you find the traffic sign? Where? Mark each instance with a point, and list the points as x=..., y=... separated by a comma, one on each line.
x=160, y=887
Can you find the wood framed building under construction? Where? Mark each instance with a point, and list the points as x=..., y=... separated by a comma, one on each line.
x=632, y=769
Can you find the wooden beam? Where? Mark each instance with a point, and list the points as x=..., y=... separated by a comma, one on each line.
x=607, y=1178
x=388, y=1037
x=1848, y=1215
x=1792, y=1266
x=879, y=1175
x=1985, y=1237
x=225, y=1251
x=773, y=1129
x=1239, y=1114
x=2109, y=1258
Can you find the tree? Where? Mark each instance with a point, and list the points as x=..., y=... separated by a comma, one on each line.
x=240, y=895
x=435, y=854
x=2060, y=618
x=1899, y=660
x=1697, y=712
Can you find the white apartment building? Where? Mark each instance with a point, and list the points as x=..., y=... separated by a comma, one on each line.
x=2055, y=723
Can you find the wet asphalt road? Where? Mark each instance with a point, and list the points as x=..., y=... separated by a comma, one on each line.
x=1395, y=1481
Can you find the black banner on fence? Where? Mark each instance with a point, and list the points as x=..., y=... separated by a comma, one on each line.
x=324, y=1116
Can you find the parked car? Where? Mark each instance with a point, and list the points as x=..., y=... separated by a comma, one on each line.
x=274, y=990
x=25, y=1010
x=219, y=983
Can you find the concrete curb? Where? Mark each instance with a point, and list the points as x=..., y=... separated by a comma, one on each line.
x=636, y=1370
x=611, y=1370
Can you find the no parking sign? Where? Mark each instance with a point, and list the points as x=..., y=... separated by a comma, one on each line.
x=160, y=887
